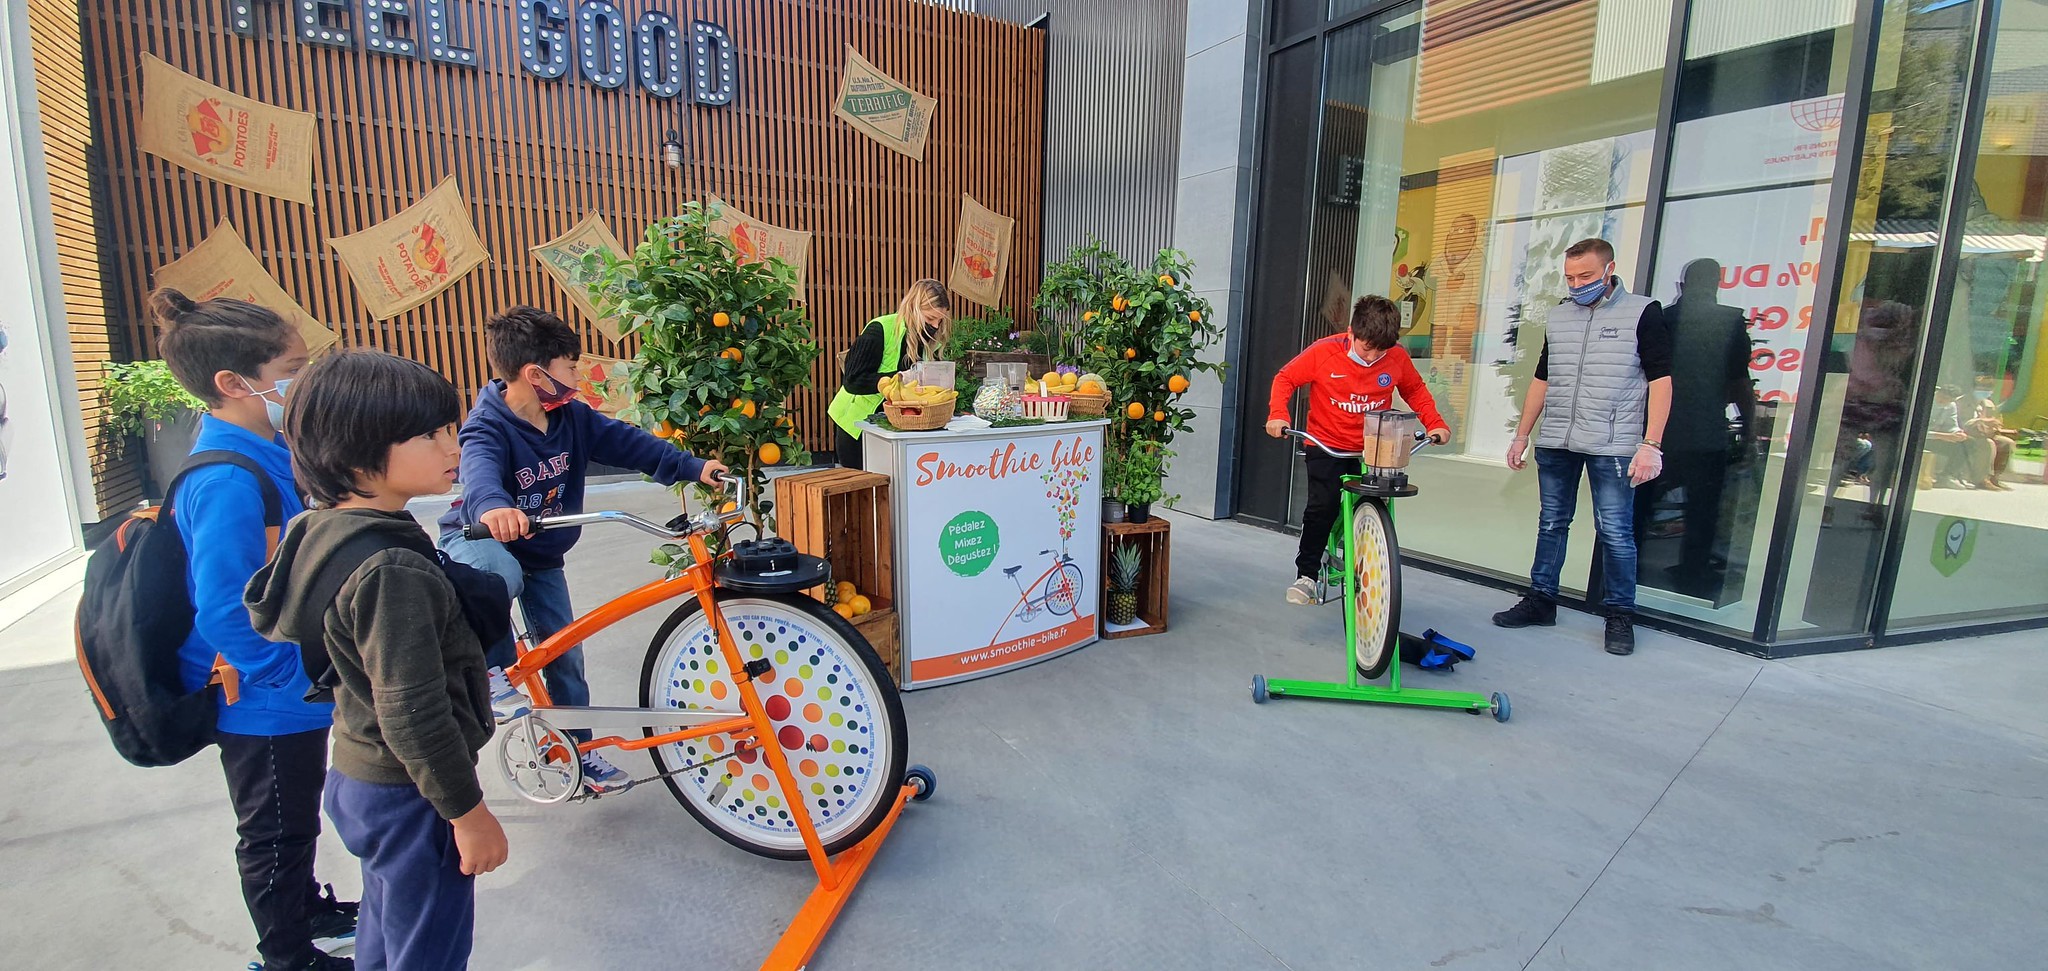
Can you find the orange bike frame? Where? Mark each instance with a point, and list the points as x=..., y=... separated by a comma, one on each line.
x=753, y=723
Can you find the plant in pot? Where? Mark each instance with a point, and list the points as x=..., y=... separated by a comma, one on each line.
x=1144, y=470
x=1142, y=331
x=145, y=401
x=1124, y=565
x=1113, y=508
x=723, y=344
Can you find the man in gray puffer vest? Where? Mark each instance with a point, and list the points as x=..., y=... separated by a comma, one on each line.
x=1598, y=404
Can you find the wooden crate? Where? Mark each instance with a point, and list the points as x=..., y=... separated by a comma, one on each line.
x=1155, y=537
x=843, y=517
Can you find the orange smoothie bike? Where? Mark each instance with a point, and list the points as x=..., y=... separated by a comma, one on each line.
x=768, y=716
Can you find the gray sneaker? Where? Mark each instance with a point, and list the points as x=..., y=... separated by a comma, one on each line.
x=1303, y=591
x=507, y=702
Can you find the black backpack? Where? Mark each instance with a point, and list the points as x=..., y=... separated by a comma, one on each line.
x=134, y=616
x=485, y=603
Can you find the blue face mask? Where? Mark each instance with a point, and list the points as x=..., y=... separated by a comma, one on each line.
x=1591, y=293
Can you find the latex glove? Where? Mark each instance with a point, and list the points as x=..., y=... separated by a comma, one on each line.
x=1518, y=449
x=1647, y=465
x=1276, y=427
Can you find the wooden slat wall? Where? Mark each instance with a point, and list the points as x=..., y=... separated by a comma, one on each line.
x=62, y=100
x=534, y=156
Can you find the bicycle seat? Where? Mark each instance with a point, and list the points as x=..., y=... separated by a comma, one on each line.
x=1012, y=572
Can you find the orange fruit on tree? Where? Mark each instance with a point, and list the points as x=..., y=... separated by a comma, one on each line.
x=1119, y=304
x=1165, y=280
x=746, y=407
x=664, y=430
x=1088, y=316
x=732, y=354
x=730, y=506
x=770, y=453
x=1135, y=410
x=1177, y=384
x=704, y=410
x=721, y=319
x=1159, y=416
x=1130, y=353
x=1195, y=315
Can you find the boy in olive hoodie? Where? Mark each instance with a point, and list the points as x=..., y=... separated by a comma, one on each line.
x=412, y=703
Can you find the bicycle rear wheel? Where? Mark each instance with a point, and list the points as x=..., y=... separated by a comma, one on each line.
x=837, y=715
x=1376, y=607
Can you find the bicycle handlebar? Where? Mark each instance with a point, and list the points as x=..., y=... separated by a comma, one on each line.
x=1421, y=441
x=709, y=520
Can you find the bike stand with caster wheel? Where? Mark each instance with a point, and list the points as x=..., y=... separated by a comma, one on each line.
x=837, y=878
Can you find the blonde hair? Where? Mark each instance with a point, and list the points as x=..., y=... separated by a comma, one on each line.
x=923, y=297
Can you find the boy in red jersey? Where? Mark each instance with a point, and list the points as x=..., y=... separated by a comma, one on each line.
x=1347, y=375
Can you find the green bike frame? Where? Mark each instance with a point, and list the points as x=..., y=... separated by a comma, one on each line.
x=1353, y=688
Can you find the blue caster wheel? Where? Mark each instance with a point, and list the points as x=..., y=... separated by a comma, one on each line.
x=924, y=780
x=1501, y=708
x=1259, y=694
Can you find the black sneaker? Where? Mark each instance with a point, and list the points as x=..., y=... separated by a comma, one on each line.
x=334, y=920
x=1530, y=611
x=1621, y=634
x=321, y=961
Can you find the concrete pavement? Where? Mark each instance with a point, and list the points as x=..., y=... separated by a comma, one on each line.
x=1127, y=806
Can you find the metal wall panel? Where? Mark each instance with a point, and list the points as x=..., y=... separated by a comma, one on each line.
x=1113, y=105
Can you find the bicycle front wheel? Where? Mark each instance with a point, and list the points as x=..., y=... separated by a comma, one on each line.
x=836, y=711
x=1376, y=606
x=1063, y=589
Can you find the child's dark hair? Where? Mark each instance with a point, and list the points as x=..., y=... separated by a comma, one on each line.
x=200, y=340
x=1376, y=321
x=528, y=335
x=348, y=409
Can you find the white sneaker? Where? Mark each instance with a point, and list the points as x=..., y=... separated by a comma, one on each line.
x=600, y=776
x=1302, y=592
x=506, y=701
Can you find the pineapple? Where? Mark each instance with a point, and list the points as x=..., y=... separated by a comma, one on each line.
x=1123, y=584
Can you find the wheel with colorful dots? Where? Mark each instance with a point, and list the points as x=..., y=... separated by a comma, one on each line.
x=837, y=716
x=1376, y=611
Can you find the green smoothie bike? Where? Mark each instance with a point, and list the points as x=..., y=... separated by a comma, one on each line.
x=1364, y=554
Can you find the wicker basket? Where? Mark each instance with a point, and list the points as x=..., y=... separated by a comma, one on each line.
x=1088, y=405
x=1046, y=407
x=918, y=418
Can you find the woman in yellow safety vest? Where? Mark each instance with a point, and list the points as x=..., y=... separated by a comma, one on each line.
x=888, y=345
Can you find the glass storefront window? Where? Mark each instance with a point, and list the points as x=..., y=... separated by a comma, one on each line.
x=1976, y=543
x=1755, y=125
x=1462, y=155
x=1859, y=459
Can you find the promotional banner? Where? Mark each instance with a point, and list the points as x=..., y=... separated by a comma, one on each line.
x=562, y=258
x=1002, y=557
x=222, y=266
x=1772, y=145
x=882, y=108
x=222, y=135
x=601, y=383
x=981, y=253
x=754, y=241
x=403, y=261
x=1768, y=243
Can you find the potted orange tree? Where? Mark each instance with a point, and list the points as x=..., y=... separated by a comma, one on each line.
x=723, y=344
x=1142, y=329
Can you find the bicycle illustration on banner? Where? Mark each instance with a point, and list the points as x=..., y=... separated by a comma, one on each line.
x=1057, y=591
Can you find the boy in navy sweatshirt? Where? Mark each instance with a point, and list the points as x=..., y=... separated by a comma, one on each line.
x=239, y=358
x=525, y=448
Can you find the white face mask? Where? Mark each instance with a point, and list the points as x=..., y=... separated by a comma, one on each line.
x=274, y=410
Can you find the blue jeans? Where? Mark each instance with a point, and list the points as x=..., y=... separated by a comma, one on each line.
x=1614, y=500
x=419, y=911
x=543, y=595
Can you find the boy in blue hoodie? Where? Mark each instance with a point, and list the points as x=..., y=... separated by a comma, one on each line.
x=238, y=358
x=525, y=448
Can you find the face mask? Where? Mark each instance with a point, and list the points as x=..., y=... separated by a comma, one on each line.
x=556, y=396
x=274, y=410
x=1591, y=293
x=1362, y=362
